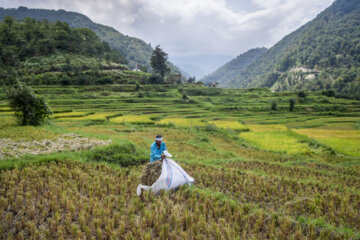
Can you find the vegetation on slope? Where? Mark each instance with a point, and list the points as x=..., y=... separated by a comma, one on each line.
x=135, y=50
x=47, y=53
x=322, y=54
x=224, y=74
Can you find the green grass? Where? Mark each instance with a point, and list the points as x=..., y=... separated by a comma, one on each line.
x=10, y=129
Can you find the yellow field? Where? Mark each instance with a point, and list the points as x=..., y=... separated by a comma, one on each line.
x=284, y=142
x=325, y=133
x=7, y=113
x=349, y=146
x=343, y=141
x=96, y=116
x=266, y=127
x=5, y=109
x=183, y=122
x=133, y=119
x=229, y=124
x=70, y=114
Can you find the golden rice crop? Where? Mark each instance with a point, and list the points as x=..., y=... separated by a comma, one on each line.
x=183, y=122
x=284, y=142
x=151, y=173
x=336, y=204
x=349, y=146
x=266, y=127
x=70, y=114
x=325, y=133
x=133, y=119
x=68, y=200
x=97, y=116
x=342, y=141
x=5, y=109
x=235, y=125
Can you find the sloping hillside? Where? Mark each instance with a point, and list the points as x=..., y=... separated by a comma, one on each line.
x=135, y=50
x=54, y=53
x=224, y=74
x=322, y=54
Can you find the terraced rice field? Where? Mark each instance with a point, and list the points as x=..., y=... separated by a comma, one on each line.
x=259, y=174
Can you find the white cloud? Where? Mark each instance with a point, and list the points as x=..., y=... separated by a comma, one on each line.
x=190, y=27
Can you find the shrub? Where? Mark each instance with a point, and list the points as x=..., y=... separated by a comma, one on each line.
x=211, y=128
x=328, y=93
x=104, y=80
x=137, y=85
x=124, y=154
x=301, y=94
x=274, y=106
x=28, y=107
x=105, y=93
x=292, y=102
x=156, y=78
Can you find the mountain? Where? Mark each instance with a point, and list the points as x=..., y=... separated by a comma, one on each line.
x=225, y=73
x=322, y=54
x=194, y=70
x=200, y=65
x=135, y=50
x=53, y=53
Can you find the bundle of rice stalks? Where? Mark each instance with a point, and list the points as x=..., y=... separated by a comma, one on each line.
x=151, y=173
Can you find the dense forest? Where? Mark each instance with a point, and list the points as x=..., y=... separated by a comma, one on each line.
x=54, y=53
x=321, y=55
x=136, y=51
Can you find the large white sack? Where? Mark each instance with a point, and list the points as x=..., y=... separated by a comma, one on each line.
x=172, y=176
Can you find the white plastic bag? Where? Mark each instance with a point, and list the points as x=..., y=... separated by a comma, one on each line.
x=172, y=176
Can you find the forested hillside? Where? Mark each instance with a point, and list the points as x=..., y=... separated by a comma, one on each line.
x=54, y=53
x=322, y=54
x=135, y=50
x=224, y=74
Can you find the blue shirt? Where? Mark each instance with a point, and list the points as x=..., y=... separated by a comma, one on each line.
x=156, y=152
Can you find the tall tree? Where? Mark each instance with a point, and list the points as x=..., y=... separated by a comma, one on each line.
x=158, y=61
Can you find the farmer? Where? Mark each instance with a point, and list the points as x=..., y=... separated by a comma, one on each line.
x=157, y=149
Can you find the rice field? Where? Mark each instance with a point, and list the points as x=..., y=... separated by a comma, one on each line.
x=343, y=141
x=258, y=174
x=282, y=141
x=235, y=125
x=99, y=116
x=183, y=122
x=71, y=114
x=266, y=127
x=133, y=119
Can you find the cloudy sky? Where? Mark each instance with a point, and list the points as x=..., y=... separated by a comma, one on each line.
x=212, y=30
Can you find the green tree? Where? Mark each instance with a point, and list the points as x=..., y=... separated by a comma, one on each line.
x=301, y=94
x=158, y=61
x=274, y=106
x=292, y=102
x=191, y=80
x=28, y=107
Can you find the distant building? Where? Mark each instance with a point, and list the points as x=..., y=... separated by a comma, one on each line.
x=175, y=78
x=212, y=84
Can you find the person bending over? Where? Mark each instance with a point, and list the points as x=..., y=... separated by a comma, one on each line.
x=157, y=149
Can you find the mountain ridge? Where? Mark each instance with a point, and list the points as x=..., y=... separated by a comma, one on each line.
x=136, y=51
x=327, y=46
x=234, y=67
